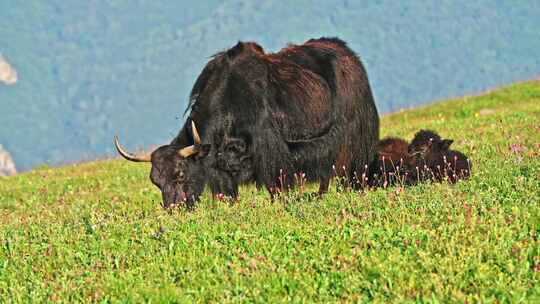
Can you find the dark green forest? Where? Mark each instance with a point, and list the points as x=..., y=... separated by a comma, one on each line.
x=90, y=69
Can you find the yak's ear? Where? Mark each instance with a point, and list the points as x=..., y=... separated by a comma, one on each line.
x=445, y=143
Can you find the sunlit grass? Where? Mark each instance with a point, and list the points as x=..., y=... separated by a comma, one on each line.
x=96, y=231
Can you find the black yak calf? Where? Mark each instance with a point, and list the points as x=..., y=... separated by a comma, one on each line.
x=392, y=163
x=427, y=157
x=435, y=158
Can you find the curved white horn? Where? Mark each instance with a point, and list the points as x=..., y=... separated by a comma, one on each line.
x=128, y=155
x=188, y=151
x=196, y=137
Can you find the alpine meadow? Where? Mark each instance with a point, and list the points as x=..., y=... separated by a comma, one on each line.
x=96, y=232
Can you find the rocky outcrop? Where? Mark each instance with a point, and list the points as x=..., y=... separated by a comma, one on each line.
x=8, y=75
x=7, y=166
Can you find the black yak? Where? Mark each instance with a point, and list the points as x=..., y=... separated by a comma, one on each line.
x=436, y=160
x=392, y=164
x=265, y=117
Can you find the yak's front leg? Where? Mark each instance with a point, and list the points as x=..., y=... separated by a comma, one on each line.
x=225, y=186
x=283, y=183
x=324, y=182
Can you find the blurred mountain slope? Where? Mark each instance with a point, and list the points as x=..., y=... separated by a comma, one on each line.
x=90, y=69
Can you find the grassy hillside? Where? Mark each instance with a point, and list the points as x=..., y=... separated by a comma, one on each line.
x=96, y=231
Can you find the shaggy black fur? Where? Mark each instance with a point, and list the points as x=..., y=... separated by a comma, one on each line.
x=265, y=117
x=392, y=163
x=435, y=159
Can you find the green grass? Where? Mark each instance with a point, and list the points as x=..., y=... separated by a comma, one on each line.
x=96, y=231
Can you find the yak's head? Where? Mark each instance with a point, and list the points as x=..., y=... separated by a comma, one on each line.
x=427, y=141
x=177, y=171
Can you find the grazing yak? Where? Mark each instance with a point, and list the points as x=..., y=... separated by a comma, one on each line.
x=427, y=157
x=263, y=117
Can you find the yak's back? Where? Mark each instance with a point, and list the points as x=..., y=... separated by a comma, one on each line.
x=306, y=85
x=306, y=81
